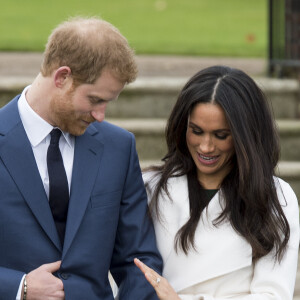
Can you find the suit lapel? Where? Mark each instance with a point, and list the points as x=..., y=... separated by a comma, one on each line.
x=16, y=154
x=87, y=156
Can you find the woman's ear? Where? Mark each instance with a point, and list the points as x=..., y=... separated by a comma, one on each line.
x=62, y=76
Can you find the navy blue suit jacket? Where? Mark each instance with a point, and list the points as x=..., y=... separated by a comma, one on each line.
x=107, y=224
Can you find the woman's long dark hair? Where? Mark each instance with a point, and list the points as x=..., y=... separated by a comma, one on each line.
x=251, y=202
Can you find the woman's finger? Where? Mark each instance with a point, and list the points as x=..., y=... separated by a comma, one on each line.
x=154, y=280
x=162, y=287
x=144, y=268
x=152, y=277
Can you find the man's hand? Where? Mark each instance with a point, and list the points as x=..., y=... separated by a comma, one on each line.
x=43, y=285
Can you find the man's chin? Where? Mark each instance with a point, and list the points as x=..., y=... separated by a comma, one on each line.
x=78, y=132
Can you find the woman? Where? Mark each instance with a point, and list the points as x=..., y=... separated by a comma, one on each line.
x=226, y=227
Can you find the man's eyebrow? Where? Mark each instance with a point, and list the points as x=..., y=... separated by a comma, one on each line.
x=96, y=98
x=99, y=99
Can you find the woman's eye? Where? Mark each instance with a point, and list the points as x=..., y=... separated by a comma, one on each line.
x=221, y=136
x=197, y=132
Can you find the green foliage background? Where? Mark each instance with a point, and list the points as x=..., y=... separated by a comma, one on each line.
x=184, y=27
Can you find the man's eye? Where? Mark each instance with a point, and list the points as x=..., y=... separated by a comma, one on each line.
x=96, y=100
x=99, y=101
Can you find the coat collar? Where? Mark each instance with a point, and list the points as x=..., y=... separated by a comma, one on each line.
x=207, y=261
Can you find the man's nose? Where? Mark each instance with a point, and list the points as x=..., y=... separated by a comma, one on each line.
x=98, y=113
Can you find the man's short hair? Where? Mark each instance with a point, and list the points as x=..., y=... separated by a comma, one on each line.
x=87, y=46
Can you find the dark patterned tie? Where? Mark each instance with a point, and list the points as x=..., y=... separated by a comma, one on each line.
x=58, y=184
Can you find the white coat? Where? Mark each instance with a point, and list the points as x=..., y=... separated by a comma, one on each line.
x=222, y=266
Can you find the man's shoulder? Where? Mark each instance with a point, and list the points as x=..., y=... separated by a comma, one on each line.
x=11, y=104
x=9, y=115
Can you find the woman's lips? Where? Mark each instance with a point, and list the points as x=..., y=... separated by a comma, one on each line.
x=208, y=159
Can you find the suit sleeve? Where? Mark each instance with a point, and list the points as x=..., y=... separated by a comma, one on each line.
x=135, y=237
x=10, y=282
x=273, y=280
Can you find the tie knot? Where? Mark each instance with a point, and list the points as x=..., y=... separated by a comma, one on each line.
x=55, y=135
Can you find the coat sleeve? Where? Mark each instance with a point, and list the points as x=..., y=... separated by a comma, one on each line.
x=135, y=237
x=273, y=280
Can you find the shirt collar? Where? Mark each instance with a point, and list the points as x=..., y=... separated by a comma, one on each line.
x=37, y=129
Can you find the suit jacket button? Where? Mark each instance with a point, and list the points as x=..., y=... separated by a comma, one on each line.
x=64, y=276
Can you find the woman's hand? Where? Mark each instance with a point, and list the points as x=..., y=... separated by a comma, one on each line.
x=161, y=285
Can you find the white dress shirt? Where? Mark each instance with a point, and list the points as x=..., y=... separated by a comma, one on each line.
x=38, y=133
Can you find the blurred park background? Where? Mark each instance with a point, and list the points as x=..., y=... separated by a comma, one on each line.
x=173, y=39
x=189, y=27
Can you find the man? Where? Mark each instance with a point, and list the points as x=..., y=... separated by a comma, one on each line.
x=72, y=203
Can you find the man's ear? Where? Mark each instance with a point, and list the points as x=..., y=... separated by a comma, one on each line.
x=62, y=76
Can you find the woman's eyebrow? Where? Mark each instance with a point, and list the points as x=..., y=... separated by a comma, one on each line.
x=227, y=130
x=194, y=125
x=222, y=130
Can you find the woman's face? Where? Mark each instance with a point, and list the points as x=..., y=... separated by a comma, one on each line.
x=210, y=144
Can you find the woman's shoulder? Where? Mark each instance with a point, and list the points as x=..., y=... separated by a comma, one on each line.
x=288, y=200
x=152, y=177
x=284, y=190
x=149, y=175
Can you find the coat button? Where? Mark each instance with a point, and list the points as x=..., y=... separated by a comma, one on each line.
x=64, y=276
